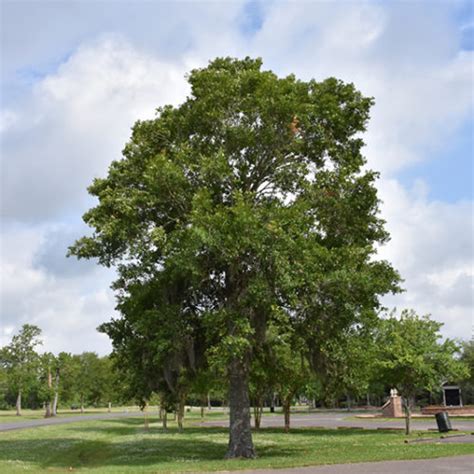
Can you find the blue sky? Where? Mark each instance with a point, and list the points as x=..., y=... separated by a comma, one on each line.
x=449, y=171
x=75, y=76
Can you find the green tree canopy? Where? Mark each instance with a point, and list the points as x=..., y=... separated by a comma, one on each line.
x=246, y=204
x=21, y=361
x=467, y=356
x=412, y=358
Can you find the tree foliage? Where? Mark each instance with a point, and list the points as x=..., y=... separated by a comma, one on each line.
x=21, y=361
x=412, y=358
x=246, y=205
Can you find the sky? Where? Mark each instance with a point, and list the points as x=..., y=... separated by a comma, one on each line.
x=76, y=75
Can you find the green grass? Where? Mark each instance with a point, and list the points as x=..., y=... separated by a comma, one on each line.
x=124, y=446
x=9, y=416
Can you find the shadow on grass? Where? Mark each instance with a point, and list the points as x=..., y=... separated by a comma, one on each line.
x=79, y=453
x=130, y=426
x=124, y=443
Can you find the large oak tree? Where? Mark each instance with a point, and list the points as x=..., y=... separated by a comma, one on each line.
x=247, y=205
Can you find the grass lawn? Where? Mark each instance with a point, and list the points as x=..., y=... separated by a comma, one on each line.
x=9, y=416
x=123, y=446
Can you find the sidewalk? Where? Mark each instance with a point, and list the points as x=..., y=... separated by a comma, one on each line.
x=455, y=464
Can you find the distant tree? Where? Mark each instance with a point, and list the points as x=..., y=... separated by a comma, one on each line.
x=412, y=358
x=21, y=361
x=47, y=390
x=62, y=382
x=467, y=383
x=165, y=353
x=346, y=364
x=205, y=381
x=108, y=380
x=3, y=386
x=86, y=373
x=261, y=385
x=291, y=371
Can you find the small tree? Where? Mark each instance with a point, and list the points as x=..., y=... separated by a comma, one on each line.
x=47, y=391
x=290, y=368
x=412, y=358
x=21, y=361
x=346, y=364
x=86, y=371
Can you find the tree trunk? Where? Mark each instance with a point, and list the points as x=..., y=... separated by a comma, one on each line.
x=240, y=434
x=48, y=403
x=209, y=401
x=82, y=403
x=55, y=404
x=18, y=404
x=349, y=402
x=286, y=411
x=165, y=420
x=181, y=408
x=407, y=415
x=204, y=401
x=257, y=411
x=109, y=409
x=272, y=404
x=145, y=416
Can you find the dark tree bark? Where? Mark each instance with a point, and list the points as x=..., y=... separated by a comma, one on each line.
x=286, y=411
x=165, y=420
x=240, y=434
x=145, y=416
x=272, y=404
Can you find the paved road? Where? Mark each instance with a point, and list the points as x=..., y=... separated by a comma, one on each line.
x=323, y=420
x=457, y=464
x=338, y=419
x=18, y=425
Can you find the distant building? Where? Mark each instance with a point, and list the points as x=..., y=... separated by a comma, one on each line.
x=451, y=395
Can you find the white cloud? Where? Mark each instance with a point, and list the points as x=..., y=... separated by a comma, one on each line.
x=433, y=248
x=77, y=122
x=67, y=308
x=396, y=53
x=7, y=120
x=76, y=117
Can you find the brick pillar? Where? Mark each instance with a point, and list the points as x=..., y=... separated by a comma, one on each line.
x=393, y=409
